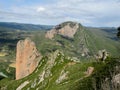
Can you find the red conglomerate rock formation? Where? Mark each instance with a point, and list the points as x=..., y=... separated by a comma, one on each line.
x=67, y=29
x=27, y=58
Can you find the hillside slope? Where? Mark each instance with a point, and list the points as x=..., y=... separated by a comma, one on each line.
x=58, y=72
x=85, y=43
x=68, y=61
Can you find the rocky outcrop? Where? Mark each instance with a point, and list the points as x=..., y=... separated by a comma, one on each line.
x=67, y=29
x=116, y=81
x=89, y=71
x=63, y=76
x=50, y=34
x=85, y=52
x=22, y=85
x=101, y=55
x=27, y=58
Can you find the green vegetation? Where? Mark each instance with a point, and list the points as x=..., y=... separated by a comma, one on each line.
x=103, y=74
x=75, y=72
x=8, y=41
x=93, y=39
x=72, y=24
x=118, y=34
x=56, y=70
x=75, y=78
x=100, y=39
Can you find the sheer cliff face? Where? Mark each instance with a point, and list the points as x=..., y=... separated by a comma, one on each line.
x=67, y=29
x=26, y=58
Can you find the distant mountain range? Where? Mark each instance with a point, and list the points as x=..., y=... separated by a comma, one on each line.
x=22, y=26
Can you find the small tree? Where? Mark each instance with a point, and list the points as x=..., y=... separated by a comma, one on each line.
x=118, y=34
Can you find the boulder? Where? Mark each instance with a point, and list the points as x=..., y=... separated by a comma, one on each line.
x=89, y=71
x=101, y=55
x=116, y=81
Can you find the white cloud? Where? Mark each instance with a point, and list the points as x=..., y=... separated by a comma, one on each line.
x=87, y=12
x=40, y=9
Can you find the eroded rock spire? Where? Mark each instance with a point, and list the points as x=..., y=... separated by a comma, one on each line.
x=27, y=58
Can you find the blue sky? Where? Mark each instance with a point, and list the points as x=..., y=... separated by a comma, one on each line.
x=100, y=13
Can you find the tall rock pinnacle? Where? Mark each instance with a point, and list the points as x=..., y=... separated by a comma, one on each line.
x=27, y=58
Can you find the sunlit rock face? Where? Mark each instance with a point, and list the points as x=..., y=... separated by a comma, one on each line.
x=67, y=29
x=27, y=58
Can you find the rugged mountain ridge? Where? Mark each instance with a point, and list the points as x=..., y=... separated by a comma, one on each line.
x=57, y=71
x=66, y=29
x=61, y=69
x=85, y=43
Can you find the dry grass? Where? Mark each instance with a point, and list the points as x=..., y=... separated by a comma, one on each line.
x=2, y=54
x=13, y=65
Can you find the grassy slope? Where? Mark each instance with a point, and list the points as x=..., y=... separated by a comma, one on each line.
x=92, y=38
x=99, y=39
x=75, y=73
x=75, y=78
x=8, y=41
